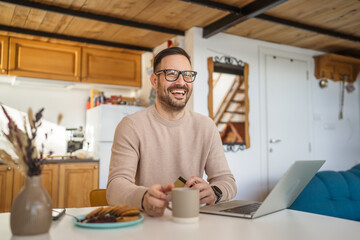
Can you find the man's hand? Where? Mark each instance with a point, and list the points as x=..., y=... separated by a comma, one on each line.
x=154, y=202
x=207, y=195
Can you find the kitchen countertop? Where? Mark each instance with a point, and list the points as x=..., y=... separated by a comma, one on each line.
x=71, y=160
x=68, y=160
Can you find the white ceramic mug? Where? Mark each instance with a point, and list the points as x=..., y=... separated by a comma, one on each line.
x=185, y=205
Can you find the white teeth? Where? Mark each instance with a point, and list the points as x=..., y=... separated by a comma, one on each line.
x=178, y=91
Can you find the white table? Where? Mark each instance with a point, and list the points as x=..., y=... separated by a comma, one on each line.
x=286, y=224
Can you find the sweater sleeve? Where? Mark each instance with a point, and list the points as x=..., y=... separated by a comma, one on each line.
x=121, y=186
x=217, y=168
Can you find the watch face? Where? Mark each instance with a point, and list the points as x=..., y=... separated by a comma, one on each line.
x=217, y=190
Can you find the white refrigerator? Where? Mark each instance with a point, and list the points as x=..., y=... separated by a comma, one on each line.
x=101, y=122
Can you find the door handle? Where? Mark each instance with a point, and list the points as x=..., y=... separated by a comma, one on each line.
x=272, y=140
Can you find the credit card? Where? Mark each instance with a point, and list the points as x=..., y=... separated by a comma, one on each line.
x=180, y=182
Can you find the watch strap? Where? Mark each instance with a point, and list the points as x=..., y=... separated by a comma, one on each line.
x=218, y=193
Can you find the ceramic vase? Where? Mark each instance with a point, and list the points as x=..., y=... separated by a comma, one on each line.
x=31, y=209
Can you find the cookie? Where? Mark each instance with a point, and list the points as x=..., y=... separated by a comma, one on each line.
x=103, y=211
x=120, y=210
x=94, y=212
x=107, y=210
x=131, y=212
x=115, y=213
x=127, y=219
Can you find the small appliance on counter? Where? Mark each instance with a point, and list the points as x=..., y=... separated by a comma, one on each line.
x=75, y=139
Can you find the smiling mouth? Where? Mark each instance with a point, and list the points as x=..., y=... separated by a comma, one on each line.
x=178, y=93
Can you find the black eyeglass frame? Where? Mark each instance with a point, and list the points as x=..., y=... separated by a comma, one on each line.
x=179, y=72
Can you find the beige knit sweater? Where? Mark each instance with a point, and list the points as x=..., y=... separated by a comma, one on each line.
x=149, y=149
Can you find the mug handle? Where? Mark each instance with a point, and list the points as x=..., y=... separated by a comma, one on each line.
x=168, y=198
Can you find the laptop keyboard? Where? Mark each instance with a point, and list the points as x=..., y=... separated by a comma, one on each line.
x=246, y=209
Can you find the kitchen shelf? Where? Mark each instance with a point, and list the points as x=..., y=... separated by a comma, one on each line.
x=337, y=67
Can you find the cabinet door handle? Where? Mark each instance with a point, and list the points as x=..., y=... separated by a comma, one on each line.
x=9, y=168
x=4, y=70
x=95, y=167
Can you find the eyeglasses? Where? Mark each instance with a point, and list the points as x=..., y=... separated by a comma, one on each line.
x=171, y=75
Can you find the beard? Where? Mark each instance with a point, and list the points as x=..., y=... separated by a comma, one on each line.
x=165, y=98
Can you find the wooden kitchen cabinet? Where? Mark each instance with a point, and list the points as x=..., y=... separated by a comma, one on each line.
x=6, y=188
x=49, y=180
x=36, y=59
x=337, y=67
x=111, y=67
x=68, y=184
x=44, y=60
x=75, y=183
x=12, y=181
x=4, y=50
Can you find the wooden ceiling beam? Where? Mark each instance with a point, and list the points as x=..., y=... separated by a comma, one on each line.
x=93, y=16
x=236, y=16
x=240, y=11
x=216, y=5
x=73, y=38
x=308, y=27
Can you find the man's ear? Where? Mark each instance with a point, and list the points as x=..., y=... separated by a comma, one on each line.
x=153, y=80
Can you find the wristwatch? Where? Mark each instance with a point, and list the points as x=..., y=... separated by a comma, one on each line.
x=218, y=193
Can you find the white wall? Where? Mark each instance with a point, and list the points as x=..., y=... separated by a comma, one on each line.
x=146, y=71
x=54, y=142
x=336, y=141
x=71, y=103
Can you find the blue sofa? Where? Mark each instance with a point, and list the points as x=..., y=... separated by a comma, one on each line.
x=331, y=193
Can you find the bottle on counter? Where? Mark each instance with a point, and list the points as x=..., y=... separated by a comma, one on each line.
x=88, y=103
x=100, y=99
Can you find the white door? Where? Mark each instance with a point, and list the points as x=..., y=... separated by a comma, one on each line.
x=288, y=117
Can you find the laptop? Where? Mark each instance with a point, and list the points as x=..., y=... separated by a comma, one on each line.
x=281, y=197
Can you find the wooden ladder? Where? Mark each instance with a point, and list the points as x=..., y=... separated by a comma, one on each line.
x=227, y=102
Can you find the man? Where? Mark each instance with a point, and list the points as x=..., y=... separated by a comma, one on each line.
x=154, y=146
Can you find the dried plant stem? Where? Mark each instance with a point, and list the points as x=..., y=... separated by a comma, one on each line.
x=23, y=144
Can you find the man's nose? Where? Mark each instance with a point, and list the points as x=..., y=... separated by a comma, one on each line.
x=181, y=79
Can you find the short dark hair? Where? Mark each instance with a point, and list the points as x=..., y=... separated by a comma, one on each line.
x=168, y=52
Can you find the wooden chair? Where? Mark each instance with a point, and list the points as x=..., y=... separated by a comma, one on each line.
x=98, y=198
